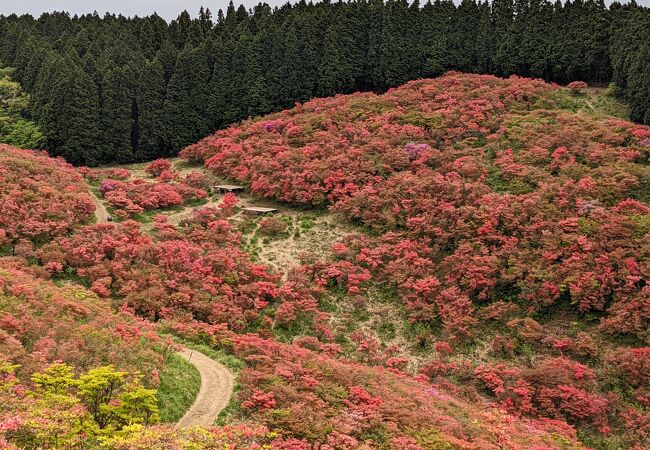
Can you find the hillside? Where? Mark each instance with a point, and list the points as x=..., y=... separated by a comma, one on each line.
x=106, y=88
x=461, y=262
x=58, y=337
x=507, y=229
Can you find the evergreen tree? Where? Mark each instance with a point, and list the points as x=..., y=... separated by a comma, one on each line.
x=336, y=69
x=70, y=118
x=221, y=86
x=433, y=43
x=504, y=43
x=463, y=37
x=399, y=59
x=116, y=116
x=185, y=102
x=150, y=101
x=374, y=77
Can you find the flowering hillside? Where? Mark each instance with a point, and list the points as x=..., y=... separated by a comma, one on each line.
x=493, y=294
x=61, y=347
x=504, y=223
x=40, y=198
x=74, y=372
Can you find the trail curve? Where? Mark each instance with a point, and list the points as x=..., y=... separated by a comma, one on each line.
x=217, y=384
x=101, y=214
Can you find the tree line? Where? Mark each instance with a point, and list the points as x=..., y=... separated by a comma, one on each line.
x=116, y=89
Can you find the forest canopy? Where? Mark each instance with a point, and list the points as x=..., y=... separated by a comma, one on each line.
x=116, y=89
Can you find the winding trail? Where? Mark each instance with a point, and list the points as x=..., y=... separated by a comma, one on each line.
x=101, y=214
x=217, y=385
x=217, y=382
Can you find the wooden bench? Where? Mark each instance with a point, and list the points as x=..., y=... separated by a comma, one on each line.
x=259, y=210
x=228, y=188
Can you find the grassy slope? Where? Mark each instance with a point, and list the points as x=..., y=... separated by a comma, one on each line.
x=180, y=382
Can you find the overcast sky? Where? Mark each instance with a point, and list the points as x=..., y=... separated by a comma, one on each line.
x=168, y=9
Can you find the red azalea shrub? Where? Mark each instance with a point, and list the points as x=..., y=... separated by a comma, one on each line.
x=272, y=226
x=40, y=197
x=577, y=86
x=229, y=202
x=633, y=366
x=197, y=180
x=166, y=176
x=158, y=166
x=133, y=197
x=556, y=388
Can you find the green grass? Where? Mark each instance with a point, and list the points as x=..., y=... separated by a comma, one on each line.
x=147, y=216
x=597, y=102
x=180, y=382
x=234, y=364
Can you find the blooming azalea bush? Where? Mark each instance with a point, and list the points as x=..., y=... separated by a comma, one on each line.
x=158, y=166
x=577, y=86
x=135, y=196
x=40, y=198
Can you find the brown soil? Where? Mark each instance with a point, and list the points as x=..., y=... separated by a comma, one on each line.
x=217, y=385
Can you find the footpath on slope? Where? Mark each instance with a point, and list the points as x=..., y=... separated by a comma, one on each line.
x=217, y=382
x=101, y=214
x=217, y=385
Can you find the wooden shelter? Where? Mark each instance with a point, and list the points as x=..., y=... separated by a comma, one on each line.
x=259, y=210
x=228, y=188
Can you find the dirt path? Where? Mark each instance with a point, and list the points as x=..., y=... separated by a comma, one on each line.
x=100, y=210
x=217, y=384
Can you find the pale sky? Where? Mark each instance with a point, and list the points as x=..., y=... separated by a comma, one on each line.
x=168, y=9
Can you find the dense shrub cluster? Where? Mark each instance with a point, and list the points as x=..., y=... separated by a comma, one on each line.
x=197, y=269
x=196, y=281
x=135, y=196
x=481, y=193
x=65, y=411
x=47, y=333
x=95, y=175
x=307, y=394
x=40, y=198
x=41, y=323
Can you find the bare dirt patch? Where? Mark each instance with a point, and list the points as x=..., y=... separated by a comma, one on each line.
x=217, y=384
